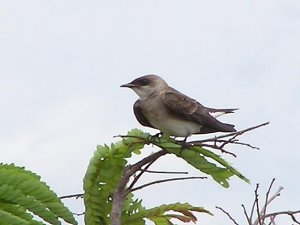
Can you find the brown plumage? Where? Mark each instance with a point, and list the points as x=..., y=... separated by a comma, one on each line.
x=172, y=112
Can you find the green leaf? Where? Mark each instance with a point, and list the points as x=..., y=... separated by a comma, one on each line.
x=103, y=174
x=160, y=215
x=202, y=159
x=23, y=194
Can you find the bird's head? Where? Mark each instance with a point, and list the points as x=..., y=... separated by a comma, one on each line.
x=146, y=85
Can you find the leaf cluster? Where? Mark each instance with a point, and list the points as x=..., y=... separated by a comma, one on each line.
x=105, y=172
x=24, y=198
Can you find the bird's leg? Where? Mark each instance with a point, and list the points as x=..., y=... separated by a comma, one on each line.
x=183, y=144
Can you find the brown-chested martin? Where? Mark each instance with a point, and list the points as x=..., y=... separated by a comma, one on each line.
x=166, y=109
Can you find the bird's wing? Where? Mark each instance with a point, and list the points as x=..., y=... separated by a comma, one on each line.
x=185, y=106
x=139, y=115
x=190, y=109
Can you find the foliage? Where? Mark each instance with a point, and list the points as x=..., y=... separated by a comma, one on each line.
x=105, y=170
x=201, y=158
x=161, y=215
x=102, y=176
x=23, y=198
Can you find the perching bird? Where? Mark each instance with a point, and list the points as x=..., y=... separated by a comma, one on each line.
x=166, y=109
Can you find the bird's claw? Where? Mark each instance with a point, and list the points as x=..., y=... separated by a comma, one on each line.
x=156, y=136
x=184, y=145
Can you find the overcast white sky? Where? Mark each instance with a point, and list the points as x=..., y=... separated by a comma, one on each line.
x=62, y=62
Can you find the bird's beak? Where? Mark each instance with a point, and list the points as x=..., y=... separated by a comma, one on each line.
x=129, y=85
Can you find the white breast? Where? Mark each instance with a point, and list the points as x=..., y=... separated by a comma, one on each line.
x=175, y=127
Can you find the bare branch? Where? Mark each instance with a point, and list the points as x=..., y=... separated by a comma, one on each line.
x=236, y=141
x=257, y=205
x=261, y=214
x=230, y=217
x=140, y=174
x=264, y=209
x=246, y=214
x=163, y=172
x=290, y=213
x=165, y=180
x=252, y=211
x=72, y=196
x=213, y=147
x=223, y=142
x=238, y=133
x=79, y=214
x=267, y=202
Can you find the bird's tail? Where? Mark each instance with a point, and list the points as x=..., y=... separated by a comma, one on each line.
x=221, y=127
x=225, y=127
x=219, y=112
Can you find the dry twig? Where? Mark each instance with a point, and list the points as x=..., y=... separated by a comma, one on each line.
x=230, y=217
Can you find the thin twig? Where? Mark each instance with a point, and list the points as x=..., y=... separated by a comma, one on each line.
x=72, y=196
x=238, y=133
x=252, y=211
x=214, y=147
x=79, y=214
x=140, y=174
x=223, y=143
x=266, y=204
x=272, y=220
x=290, y=213
x=257, y=205
x=239, y=143
x=264, y=209
x=230, y=217
x=165, y=180
x=246, y=214
x=234, y=141
x=163, y=172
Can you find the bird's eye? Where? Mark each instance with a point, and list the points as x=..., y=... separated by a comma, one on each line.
x=141, y=81
x=144, y=82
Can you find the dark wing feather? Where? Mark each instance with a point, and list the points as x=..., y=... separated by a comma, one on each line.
x=192, y=110
x=138, y=112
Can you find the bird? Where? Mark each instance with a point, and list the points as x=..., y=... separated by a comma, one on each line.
x=164, y=108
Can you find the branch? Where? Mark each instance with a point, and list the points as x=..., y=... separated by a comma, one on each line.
x=142, y=171
x=120, y=192
x=163, y=172
x=238, y=133
x=165, y=180
x=214, y=147
x=72, y=196
x=257, y=206
x=264, y=209
x=223, y=143
x=290, y=213
x=246, y=214
x=230, y=217
x=261, y=214
x=268, y=200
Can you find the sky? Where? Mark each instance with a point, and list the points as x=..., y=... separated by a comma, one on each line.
x=62, y=64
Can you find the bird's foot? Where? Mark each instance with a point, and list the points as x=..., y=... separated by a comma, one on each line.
x=184, y=145
x=156, y=136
